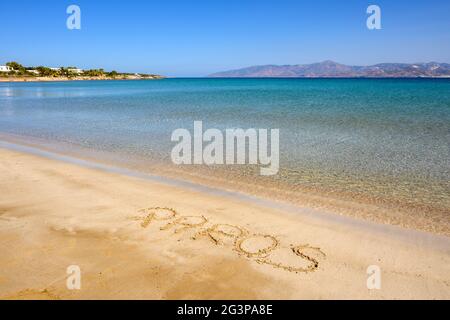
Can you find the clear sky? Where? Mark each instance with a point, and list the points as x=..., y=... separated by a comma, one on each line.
x=198, y=37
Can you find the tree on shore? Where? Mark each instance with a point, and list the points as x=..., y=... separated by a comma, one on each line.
x=47, y=72
x=66, y=72
x=17, y=67
x=94, y=72
x=113, y=74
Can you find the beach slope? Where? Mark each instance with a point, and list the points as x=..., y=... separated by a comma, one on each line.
x=196, y=245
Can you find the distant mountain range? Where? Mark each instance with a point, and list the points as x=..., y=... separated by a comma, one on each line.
x=331, y=69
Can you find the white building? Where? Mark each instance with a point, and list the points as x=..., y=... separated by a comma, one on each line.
x=5, y=69
x=76, y=70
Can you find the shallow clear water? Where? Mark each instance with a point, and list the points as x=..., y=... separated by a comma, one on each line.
x=378, y=137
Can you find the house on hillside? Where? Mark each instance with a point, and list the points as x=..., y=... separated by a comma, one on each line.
x=5, y=69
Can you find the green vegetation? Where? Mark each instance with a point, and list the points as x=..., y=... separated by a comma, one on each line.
x=94, y=72
x=17, y=67
x=113, y=74
x=47, y=72
x=69, y=72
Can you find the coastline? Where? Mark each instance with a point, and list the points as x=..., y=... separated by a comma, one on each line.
x=85, y=215
x=58, y=79
x=132, y=77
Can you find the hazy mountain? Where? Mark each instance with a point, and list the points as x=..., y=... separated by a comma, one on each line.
x=332, y=69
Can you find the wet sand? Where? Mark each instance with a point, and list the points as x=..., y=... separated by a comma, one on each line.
x=422, y=215
x=141, y=238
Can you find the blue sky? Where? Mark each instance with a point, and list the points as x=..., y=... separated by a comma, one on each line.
x=198, y=37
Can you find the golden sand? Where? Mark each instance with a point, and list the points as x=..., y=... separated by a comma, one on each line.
x=139, y=239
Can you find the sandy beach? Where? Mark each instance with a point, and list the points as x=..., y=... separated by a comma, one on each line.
x=137, y=238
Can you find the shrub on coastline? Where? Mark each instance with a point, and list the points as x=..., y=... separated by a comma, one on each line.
x=69, y=73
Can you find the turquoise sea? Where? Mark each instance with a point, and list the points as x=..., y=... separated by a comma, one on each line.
x=380, y=141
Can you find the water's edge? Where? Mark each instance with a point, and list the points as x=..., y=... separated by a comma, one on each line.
x=410, y=236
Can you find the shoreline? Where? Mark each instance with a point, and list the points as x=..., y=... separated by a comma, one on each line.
x=338, y=205
x=90, y=217
x=64, y=79
x=317, y=215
